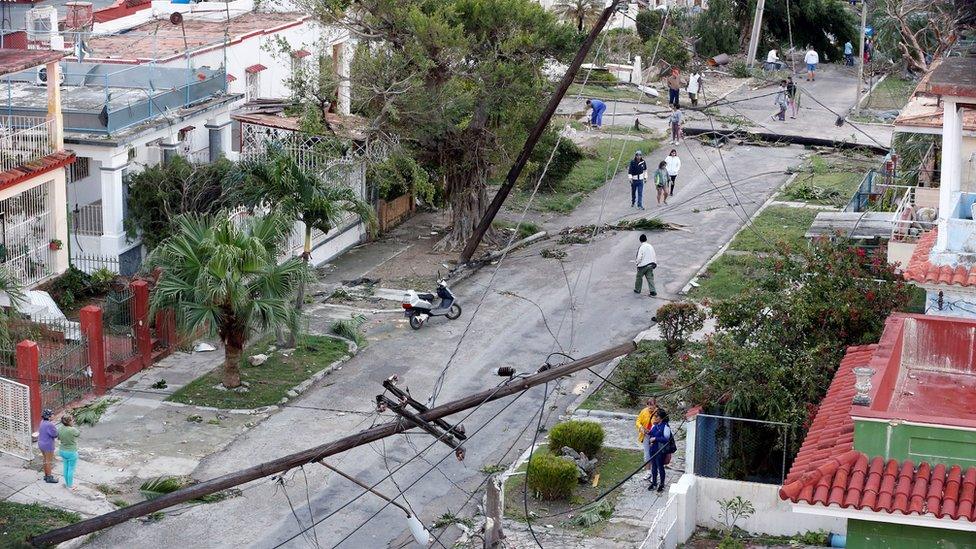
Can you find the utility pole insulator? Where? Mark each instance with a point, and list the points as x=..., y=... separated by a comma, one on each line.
x=446, y=436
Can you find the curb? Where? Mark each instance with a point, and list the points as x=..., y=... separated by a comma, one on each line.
x=292, y=393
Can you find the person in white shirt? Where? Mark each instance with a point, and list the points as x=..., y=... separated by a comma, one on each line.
x=646, y=263
x=673, y=165
x=772, y=61
x=694, y=87
x=811, y=59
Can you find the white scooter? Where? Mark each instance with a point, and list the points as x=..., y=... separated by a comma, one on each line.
x=418, y=307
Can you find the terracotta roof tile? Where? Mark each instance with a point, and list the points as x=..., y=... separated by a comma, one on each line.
x=255, y=68
x=920, y=269
x=35, y=167
x=828, y=471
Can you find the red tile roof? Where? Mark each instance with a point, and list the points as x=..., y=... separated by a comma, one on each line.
x=34, y=168
x=255, y=68
x=299, y=54
x=828, y=471
x=921, y=269
x=17, y=60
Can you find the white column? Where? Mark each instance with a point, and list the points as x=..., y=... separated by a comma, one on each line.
x=950, y=181
x=113, y=204
x=219, y=140
x=341, y=66
x=54, y=104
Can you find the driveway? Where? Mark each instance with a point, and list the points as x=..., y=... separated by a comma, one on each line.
x=579, y=305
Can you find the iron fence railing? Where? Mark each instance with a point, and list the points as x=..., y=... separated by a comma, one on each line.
x=65, y=374
x=87, y=220
x=24, y=139
x=908, y=224
x=119, y=327
x=741, y=449
x=661, y=534
x=90, y=263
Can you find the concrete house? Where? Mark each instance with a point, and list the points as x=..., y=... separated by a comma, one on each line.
x=33, y=169
x=892, y=448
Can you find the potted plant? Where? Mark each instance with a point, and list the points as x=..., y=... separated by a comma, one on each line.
x=55, y=244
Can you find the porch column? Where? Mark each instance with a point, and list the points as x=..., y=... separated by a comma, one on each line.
x=218, y=141
x=950, y=182
x=54, y=104
x=113, y=204
x=168, y=146
x=340, y=67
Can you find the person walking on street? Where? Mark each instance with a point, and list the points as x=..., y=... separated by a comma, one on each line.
x=646, y=263
x=46, y=435
x=638, y=174
x=812, y=59
x=673, y=165
x=659, y=435
x=695, y=86
x=661, y=182
x=781, y=102
x=676, y=119
x=848, y=54
x=643, y=425
x=791, y=96
x=674, y=87
x=596, y=117
x=68, y=435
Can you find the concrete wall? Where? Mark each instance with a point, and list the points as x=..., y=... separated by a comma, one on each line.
x=57, y=260
x=697, y=499
x=957, y=301
x=948, y=446
x=880, y=535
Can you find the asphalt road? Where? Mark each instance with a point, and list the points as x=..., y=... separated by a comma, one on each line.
x=601, y=311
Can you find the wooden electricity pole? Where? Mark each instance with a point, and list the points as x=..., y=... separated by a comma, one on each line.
x=860, y=61
x=756, y=30
x=540, y=126
x=493, y=514
x=318, y=453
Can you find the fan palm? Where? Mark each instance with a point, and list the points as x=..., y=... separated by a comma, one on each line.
x=582, y=12
x=293, y=190
x=12, y=288
x=224, y=278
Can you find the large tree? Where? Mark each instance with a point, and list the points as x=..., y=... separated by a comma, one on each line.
x=918, y=31
x=580, y=12
x=460, y=81
x=223, y=277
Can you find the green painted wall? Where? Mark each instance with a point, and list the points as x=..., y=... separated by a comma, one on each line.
x=916, y=442
x=881, y=535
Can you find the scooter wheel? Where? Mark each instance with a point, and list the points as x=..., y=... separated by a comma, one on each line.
x=416, y=322
x=453, y=312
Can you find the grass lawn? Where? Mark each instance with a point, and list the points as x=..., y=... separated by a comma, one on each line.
x=606, y=93
x=17, y=521
x=891, y=94
x=829, y=189
x=268, y=382
x=524, y=229
x=590, y=173
x=727, y=276
x=613, y=466
x=774, y=225
x=612, y=399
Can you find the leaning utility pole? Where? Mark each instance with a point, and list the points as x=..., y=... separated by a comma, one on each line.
x=756, y=29
x=535, y=134
x=318, y=453
x=860, y=61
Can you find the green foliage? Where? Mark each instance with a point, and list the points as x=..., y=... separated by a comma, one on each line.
x=739, y=69
x=817, y=538
x=397, y=175
x=595, y=514
x=19, y=521
x=522, y=230
x=12, y=288
x=73, y=285
x=160, y=193
x=91, y=413
x=781, y=338
x=313, y=84
x=911, y=149
x=671, y=50
x=824, y=24
x=581, y=13
x=597, y=77
x=224, y=278
x=160, y=486
x=728, y=542
x=732, y=510
x=101, y=280
x=582, y=436
x=649, y=22
x=677, y=321
x=550, y=477
x=351, y=329
x=717, y=30
x=644, y=224
x=807, y=192
x=567, y=155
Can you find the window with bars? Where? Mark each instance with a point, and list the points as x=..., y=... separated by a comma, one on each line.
x=80, y=169
x=27, y=234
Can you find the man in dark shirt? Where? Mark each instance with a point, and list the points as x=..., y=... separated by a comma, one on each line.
x=638, y=174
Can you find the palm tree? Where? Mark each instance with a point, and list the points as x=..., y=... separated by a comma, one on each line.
x=582, y=12
x=279, y=182
x=10, y=287
x=225, y=278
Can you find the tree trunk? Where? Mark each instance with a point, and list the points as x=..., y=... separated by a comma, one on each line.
x=300, y=298
x=233, y=352
x=469, y=201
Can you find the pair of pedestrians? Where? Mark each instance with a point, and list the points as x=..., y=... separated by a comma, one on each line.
x=67, y=435
x=664, y=178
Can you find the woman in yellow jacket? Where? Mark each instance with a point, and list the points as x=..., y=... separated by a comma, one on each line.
x=643, y=425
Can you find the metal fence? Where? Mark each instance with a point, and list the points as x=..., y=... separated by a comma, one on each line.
x=15, y=419
x=90, y=263
x=87, y=220
x=24, y=139
x=64, y=371
x=662, y=533
x=741, y=449
x=119, y=327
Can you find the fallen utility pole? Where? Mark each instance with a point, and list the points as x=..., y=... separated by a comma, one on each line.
x=535, y=134
x=860, y=61
x=318, y=453
x=756, y=30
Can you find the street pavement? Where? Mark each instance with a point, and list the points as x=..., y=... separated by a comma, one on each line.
x=579, y=305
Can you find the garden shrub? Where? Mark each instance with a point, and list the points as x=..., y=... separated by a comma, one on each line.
x=638, y=372
x=597, y=78
x=396, y=175
x=582, y=436
x=550, y=477
x=568, y=154
x=677, y=322
x=69, y=287
x=739, y=69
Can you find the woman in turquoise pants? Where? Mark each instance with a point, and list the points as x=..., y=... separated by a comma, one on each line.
x=68, y=437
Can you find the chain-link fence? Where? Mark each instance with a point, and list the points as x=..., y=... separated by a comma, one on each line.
x=741, y=449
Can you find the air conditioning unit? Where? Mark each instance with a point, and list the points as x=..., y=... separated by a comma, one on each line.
x=40, y=77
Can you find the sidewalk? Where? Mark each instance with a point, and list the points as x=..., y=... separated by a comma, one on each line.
x=138, y=437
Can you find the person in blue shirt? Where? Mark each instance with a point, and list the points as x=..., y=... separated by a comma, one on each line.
x=659, y=435
x=596, y=117
x=849, y=54
x=47, y=433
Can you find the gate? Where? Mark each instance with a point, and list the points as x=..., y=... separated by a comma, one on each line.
x=15, y=420
x=65, y=375
x=119, y=323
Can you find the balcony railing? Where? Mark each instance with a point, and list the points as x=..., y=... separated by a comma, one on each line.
x=87, y=220
x=24, y=139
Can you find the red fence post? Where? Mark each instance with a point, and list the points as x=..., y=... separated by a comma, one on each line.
x=28, y=373
x=94, y=330
x=140, y=317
